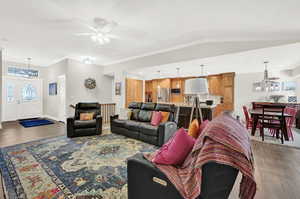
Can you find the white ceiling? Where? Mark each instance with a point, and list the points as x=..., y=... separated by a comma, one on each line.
x=280, y=58
x=44, y=29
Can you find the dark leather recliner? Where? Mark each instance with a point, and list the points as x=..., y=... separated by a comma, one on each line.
x=217, y=181
x=77, y=127
x=139, y=127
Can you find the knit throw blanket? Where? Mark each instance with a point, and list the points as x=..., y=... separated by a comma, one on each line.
x=224, y=141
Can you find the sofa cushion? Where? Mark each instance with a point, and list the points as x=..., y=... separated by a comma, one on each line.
x=148, y=138
x=135, y=105
x=148, y=129
x=135, y=114
x=148, y=106
x=165, y=107
x=78, y=124
x=132, y=125
x=145, y=116
x=119, y=123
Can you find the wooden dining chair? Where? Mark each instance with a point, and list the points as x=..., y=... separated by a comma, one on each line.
x=272, y=117
x=249, y=120
x=289, y=122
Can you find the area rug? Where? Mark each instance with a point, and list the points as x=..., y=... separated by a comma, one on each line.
x=63, y=168
x=35, y=122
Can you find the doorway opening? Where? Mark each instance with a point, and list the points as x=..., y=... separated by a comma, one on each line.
x=62, y=98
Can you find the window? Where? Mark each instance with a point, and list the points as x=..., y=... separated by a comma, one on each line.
x=29, y=93
x=10, y=93
x=21, y=72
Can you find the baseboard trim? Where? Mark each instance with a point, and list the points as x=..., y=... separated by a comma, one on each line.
x=51, y=117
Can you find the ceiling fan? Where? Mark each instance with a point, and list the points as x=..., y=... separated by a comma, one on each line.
x=101, y=31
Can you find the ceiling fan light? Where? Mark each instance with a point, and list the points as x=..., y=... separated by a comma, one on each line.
x=94, y=38
x=106, y=39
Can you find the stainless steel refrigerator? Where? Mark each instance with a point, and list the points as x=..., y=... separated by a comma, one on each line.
x=163, y=95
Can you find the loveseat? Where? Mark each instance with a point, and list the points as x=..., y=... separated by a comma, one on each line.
x=147, y=182
x=139, y=127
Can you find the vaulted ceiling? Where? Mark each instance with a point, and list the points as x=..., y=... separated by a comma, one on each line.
x=45, y=29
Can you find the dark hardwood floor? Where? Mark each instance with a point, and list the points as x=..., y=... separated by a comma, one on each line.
x=277, y=167
x=13, y=133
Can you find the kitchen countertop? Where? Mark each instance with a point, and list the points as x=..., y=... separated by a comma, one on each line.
x=190, y=105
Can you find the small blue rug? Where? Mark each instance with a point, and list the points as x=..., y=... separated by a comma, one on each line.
x=35, y=122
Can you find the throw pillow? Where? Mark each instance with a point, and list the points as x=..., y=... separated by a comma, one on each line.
x=156, y=118
x=86, y=116
x=129, y=114
x=125, y=114
x=165, y=116
x=135, y=114
x=175, y=151
x=194, y=129
x=145, y=116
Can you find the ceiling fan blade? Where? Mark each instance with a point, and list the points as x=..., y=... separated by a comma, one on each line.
x=92, y=28
x=84, y=34
x=112, y=36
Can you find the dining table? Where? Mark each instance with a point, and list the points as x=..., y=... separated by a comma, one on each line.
x=257, y=113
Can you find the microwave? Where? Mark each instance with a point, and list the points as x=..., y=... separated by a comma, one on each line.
x=175, y=91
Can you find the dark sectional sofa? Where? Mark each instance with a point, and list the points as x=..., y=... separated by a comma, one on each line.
x=139, y=127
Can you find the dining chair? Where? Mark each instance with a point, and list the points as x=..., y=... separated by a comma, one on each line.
x=289, y=122
x=272, y=117
x=248, y=119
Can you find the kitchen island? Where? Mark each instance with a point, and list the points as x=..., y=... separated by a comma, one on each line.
x=183, y=113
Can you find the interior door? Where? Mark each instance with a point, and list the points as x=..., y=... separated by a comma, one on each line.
x=22, y=98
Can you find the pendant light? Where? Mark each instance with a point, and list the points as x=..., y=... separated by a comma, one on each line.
x=158, y=85
x=28, y=67
x=178, y=75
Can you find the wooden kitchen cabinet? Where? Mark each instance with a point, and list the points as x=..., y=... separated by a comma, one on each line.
x=134, y=91
x=222, y=85
x=177, y=83
x=215, y=85
x=228, y=91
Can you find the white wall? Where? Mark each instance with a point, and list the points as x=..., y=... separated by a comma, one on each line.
x=76, y=91
x=76, y=72
x=1, y=83
x=244, y=93
x=51, y=102
x=119, y=100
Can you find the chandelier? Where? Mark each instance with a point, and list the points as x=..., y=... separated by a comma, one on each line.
x=268, y=84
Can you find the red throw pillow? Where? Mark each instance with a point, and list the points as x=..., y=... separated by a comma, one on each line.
x=175, y=150
x=156, y=118
x=202, y=126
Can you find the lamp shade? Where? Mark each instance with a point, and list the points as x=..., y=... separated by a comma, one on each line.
x=196, y=86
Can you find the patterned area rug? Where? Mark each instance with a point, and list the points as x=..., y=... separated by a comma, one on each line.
x=62, y=168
